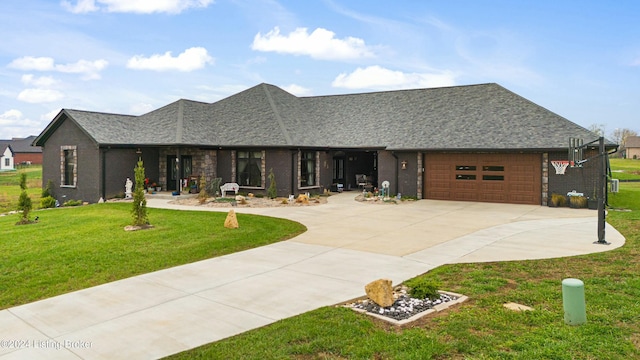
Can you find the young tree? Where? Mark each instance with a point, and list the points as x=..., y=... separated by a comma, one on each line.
x=597, y=129
x=272, y=191
x=24, y=202
x=619, y=136
x=139, y=210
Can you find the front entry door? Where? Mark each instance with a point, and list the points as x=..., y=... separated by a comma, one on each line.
x=186, y=166
x=338, y=170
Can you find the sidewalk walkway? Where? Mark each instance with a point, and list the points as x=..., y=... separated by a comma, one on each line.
x=347, y=245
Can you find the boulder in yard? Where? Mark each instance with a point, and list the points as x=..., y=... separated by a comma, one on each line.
x=231, y=222
x=380, y=292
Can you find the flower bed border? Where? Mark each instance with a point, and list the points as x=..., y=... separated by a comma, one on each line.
x=437, y=308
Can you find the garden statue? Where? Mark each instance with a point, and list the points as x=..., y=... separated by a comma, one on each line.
x=127, y=188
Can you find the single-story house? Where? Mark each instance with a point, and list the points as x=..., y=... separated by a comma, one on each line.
x=6, y=157
x=472, y=143
x=23, y=152
x=632, y=147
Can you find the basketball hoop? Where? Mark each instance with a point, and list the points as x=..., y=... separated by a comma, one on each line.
x=560, y=166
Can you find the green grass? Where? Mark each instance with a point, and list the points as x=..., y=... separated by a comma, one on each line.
x=625, y=169
x=75, y=248
x=481, y=328
x=10, y=187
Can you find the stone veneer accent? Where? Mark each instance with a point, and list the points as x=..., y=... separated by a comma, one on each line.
x=75, y=165
x=204, y=162
x=545, y=179
x=420, y=175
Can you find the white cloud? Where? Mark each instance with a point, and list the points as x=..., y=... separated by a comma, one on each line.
x=35, y=96
x=89, y=70
x=191, y=59
x=81, y=7
x=135, y=6
x=320, y=44
x=43, y=81
x=140, y=108
x=50, y=115
x=33, y=63
x=379, y=78
x=297, y=90
x=15, y=124
x=10, y=117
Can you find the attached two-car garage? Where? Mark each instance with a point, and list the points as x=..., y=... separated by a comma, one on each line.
x=502, y=178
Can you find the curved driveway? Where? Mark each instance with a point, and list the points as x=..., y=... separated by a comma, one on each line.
x=347, y=245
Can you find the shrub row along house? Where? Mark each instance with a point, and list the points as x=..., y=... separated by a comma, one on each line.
x=473, y=143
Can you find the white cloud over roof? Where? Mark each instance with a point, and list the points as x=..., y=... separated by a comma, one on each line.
x=379, y=78
x=297, y=90
x=135, y=6
x=320, y=44
x=191, y=59
x=90, y=70
x=39, y=95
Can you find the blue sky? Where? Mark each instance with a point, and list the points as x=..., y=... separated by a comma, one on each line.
x=579, y=59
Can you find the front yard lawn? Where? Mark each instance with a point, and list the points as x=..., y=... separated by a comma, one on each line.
x=75, y=248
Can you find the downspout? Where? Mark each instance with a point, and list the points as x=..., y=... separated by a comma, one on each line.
x=104, y=174
x=179, y=131
x=396, y=171
x=293, y=171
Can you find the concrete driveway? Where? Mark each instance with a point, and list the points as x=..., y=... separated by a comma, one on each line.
x=347, y=245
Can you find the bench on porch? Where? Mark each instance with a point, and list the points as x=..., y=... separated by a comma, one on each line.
x=229, y=187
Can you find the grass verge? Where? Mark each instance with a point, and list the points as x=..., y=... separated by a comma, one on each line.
x=76, y=248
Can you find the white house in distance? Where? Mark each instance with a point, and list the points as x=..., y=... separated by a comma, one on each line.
x=6, y=158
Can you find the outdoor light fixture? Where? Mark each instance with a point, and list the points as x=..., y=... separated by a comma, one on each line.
x=138, y=151
x=404, y=165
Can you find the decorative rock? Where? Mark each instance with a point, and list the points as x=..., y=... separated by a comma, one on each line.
x=517, y=307
x=231, y=222
x=304, y=199
x=380, y=291
x=240, y=198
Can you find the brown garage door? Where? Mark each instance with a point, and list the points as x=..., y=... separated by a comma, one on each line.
x=504, y=178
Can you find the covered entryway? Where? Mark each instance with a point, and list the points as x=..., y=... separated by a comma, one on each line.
x=501, y=178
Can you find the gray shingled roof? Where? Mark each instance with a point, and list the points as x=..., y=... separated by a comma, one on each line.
x=632, y=142
x=478, y=117
x=3, y=147
x=21, y=145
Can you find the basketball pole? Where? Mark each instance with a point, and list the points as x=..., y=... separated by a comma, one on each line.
x=575, y=154
x=602, y=190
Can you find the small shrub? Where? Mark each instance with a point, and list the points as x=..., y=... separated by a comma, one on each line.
x=422, y=288
x=558, y=200
x=24, y=202
x=47, y=202
x=139, y=210
x=46, y=192
x=213, y=188
x=72, y=203
x=272, y=191
x=202, y=196
x=578, y=202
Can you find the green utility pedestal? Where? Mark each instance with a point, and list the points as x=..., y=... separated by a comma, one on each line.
x=573, y=301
